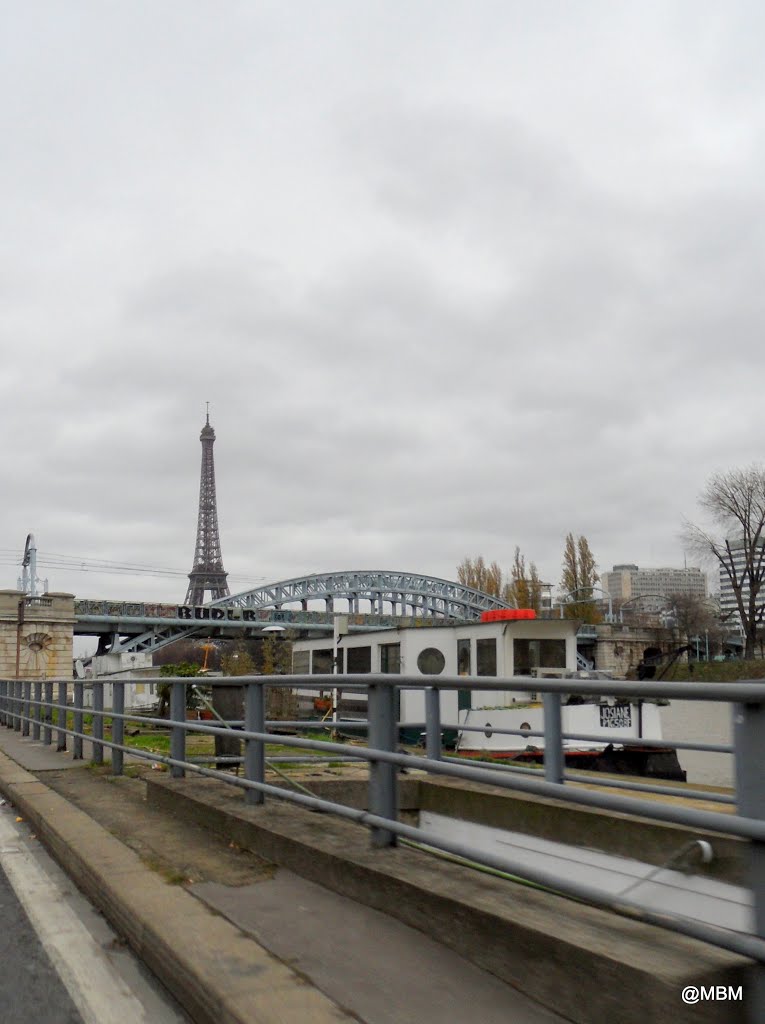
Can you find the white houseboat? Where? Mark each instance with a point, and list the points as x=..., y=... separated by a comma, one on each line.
x=512, y=644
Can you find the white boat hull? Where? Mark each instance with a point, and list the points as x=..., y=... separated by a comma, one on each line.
x=611, y=723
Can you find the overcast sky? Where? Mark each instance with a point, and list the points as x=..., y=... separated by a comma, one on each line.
x=454, y=276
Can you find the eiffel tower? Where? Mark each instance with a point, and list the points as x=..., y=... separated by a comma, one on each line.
x=207, y=572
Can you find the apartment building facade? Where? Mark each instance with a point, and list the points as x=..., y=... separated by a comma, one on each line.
x=648, y=589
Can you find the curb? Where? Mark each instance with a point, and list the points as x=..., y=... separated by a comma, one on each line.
x=217, y=974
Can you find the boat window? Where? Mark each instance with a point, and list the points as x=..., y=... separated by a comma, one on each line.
x=486, y=657
x=359, y=659
x=552, y=653
x=321, y=662
x=431, y=661
x=463, y=657
x=301, y=662
x=390, y=658
x=537, y=654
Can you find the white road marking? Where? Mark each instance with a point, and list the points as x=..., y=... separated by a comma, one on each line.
x=98, y=992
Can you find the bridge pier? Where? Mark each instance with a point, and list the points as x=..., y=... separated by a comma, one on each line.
x=36, y=643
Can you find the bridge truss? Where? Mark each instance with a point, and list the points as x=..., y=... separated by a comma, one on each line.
x=401, y=593
x=373, y=598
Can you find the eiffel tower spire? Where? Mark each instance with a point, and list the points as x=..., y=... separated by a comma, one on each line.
x=207, y=573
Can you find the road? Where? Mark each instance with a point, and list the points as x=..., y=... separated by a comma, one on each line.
x=60, y=963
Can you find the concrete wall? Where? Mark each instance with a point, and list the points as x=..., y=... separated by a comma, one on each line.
x=36, y=635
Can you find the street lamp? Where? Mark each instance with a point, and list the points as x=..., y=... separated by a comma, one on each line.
x=590, y=591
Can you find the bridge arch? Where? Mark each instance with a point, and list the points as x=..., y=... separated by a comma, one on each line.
x=396, y=593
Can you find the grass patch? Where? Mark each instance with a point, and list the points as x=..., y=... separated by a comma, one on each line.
x=158, y=744
x=171, y=875
x=716, y=671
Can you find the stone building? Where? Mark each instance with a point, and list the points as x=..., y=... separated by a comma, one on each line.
x=36, y=635
x=619, y=649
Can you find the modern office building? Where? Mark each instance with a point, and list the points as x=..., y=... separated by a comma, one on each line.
x=629, y=583
x=728, y=606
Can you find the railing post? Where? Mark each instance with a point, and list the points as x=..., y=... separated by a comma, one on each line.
x=98, y=723
x=48, y=715
x=254, y=750
x=433, y=723
x=749, y=741
x=382, y=776
x=79, y=694
x=553, y=738
x=27, y=707
x=118, y=727
x=177, y=736
x=37, y=712
x=17, y=706
x=61, y=743
x=3, y=701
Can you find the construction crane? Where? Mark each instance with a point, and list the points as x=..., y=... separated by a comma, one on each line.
x=206, y=648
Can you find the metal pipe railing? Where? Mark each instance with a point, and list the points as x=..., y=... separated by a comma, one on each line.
x=22, y=709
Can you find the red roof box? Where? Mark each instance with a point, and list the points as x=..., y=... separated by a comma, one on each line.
x=508, y=615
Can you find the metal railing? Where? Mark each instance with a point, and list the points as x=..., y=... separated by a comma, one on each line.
x=29, y=707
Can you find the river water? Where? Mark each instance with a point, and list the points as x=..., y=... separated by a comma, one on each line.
x=704, y=722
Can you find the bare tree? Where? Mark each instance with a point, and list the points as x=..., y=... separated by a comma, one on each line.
x=693, y=615
x=523, y=588
x=475, y=573
x=735, y=503
x=578, y=580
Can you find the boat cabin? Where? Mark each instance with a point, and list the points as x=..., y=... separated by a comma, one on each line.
x=536, y=648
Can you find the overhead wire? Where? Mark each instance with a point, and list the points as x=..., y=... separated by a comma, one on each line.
x=103, y=566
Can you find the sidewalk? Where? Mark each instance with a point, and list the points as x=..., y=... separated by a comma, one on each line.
x=240, y=940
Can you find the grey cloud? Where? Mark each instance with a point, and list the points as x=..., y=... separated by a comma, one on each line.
x=446, y=291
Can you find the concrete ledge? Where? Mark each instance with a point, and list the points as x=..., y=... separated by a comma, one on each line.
x=620, y=834
x=355, y=792
x=218, y=974
x=580, y=961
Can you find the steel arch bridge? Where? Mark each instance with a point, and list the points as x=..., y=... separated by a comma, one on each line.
x=393, y=599
x=399, y=593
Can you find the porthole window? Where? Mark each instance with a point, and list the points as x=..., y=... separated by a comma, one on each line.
x=431, y=661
